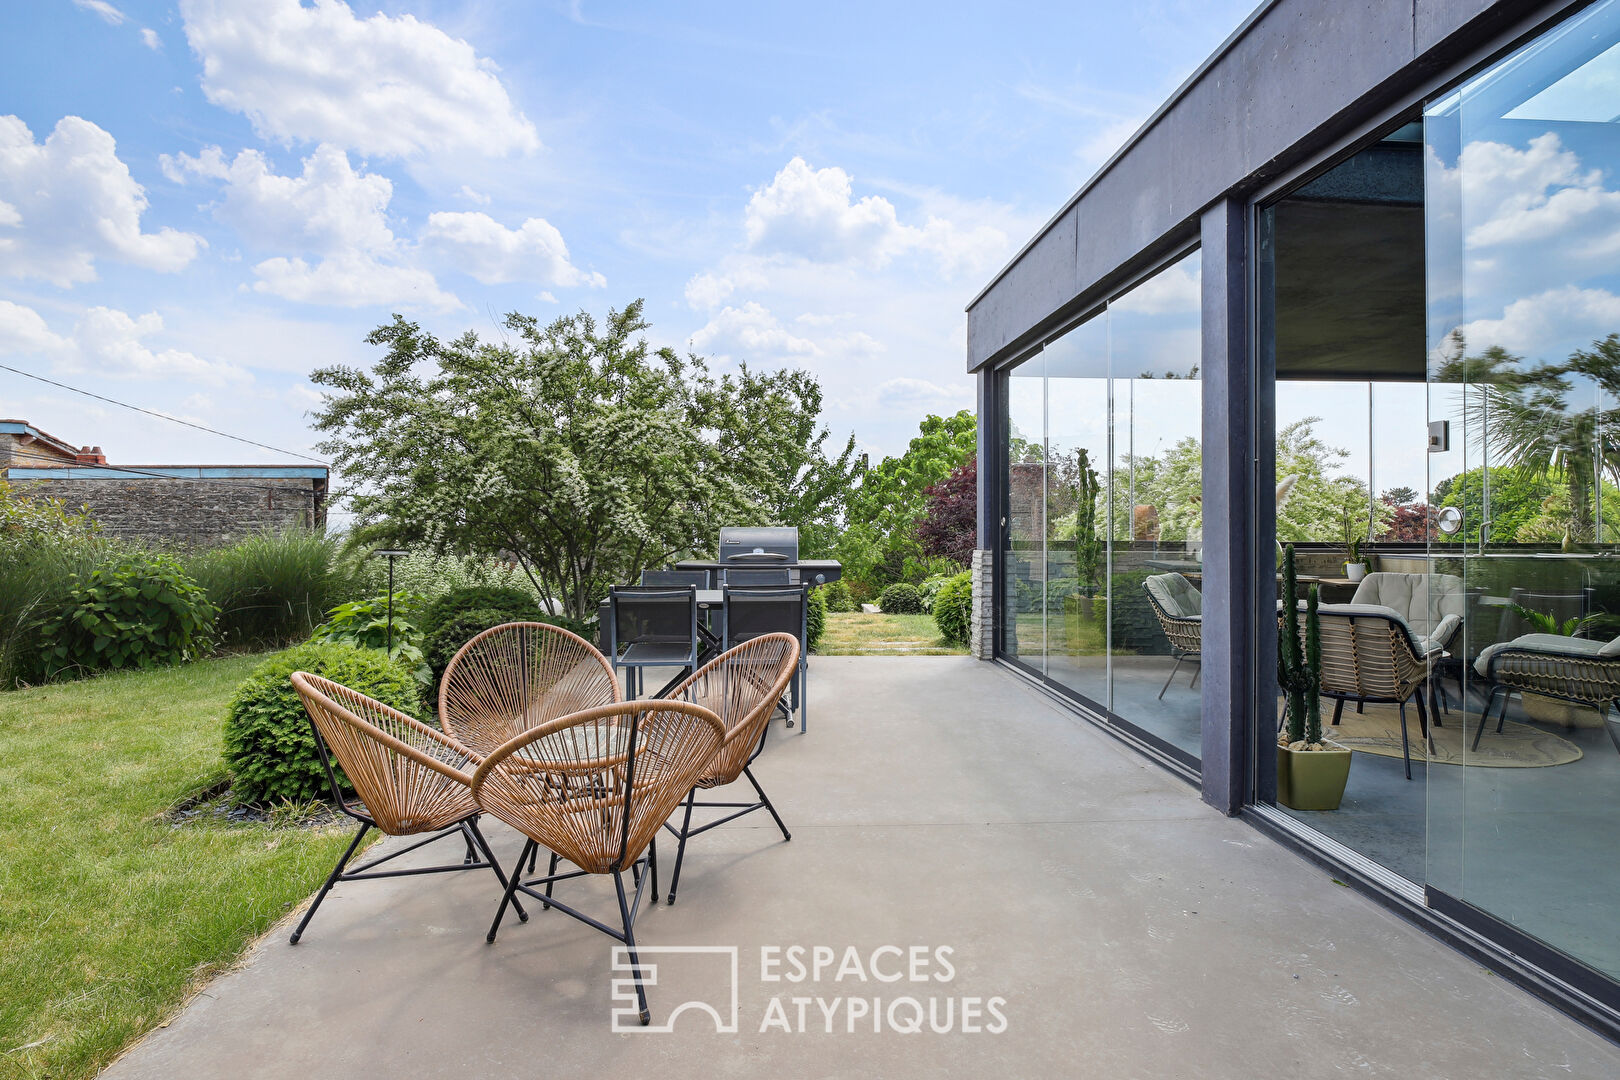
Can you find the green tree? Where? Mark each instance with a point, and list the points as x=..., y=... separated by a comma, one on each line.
x=573, y=448
x=893, y=495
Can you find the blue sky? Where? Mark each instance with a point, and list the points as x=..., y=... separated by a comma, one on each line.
x=202, y=201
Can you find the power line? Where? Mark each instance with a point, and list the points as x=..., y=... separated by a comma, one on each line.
x=160, y=416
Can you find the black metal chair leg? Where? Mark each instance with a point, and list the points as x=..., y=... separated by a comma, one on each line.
x=1170, y=678
x=551, y=871
x=331, y=879
x=1423, y=722
x=1485, y=717
x=652, y=867
x=1501, y=717
x=766, y=799
x=471, y=824
x=630, y=944
x=680, y=849
x=1406, y=751
x=1338, y=710
x=510, y=895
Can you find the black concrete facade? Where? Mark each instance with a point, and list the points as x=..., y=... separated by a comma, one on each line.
x=1300, y=83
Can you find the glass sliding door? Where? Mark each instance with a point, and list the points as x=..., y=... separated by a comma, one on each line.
x=1023, y=557
x=1104, y=492
x=1078, y=535
x=1523, y=336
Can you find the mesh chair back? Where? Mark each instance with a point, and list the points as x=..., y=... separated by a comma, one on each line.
x=511, y=678
x=596, y=786
x=652, y=614
x=742, y=687
x=759, y=577
x=698, y=578
x=753, y=612
x=411, y=778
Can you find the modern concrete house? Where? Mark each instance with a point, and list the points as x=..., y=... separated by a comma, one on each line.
x=1354, y=281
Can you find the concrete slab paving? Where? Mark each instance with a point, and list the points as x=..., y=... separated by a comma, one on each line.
x=1076, y=910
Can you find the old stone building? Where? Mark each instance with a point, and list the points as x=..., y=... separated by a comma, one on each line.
x=193, y=505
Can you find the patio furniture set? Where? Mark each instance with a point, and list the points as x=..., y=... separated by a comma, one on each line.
x=536, y=730
x=1387, y=644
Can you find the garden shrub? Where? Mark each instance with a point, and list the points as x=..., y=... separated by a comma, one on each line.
x=518, y=604
x=272, y=589
x=837, y=596
x=268, y=743
x=901, y=599
x=43, y=544
x=439, y=647
x=371, y=624
x=1131, y=620
x=815, y=617
x=930, y=589
x=953, y=609
x=140, y=612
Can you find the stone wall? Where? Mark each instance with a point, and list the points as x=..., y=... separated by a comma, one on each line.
x=982, y=636
x=189, y=512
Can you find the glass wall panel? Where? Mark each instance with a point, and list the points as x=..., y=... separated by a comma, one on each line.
x=1023, y=623
x=1523, y=167
x=1155, y=565
x=1104, y=487
x=1342, y=269
x=1077, y=531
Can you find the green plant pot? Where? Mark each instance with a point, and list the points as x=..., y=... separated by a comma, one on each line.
x=1311, y=779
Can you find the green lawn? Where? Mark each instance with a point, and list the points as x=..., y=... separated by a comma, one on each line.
x=861, y=634
x=108, y=915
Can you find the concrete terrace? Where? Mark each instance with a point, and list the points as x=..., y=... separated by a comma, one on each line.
x=936, y=801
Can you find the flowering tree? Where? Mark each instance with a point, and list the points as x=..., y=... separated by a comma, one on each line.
x=573, y=448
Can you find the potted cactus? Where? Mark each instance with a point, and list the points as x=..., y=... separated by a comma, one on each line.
x=1311, y=772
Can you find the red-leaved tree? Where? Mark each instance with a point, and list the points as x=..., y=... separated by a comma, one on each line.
x=949, y=525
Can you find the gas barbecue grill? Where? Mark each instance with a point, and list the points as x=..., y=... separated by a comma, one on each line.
x=766, y=548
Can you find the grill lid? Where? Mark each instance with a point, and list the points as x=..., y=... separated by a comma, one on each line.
x=766, y=546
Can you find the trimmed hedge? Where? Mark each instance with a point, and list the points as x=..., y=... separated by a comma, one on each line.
x=953, y=609
x=519, y=605
x=837, y=596
x=901, y=599
x=268, y=743
x=815, y=617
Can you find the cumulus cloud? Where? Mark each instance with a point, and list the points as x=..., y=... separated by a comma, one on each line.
x=1549, y=325
x=150, y=39
x=813, y=214
x=483, y=248
x=329, y=210
x=753, y=332
x=68, y=201
x=392, y=86
x=108, y=343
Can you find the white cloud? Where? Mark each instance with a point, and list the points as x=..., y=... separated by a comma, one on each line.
x=150, y=39
x=753, y=332
x=1175, y=291
x=23, y=332
x=109, y=14
x=1535, y=195
x=923, y=395
x=70, y=200
x=471, y=195
x=349, y=280
x=107, y=343
x=813, y=214
x=708, y=289
x=1549, y=325
x=397, y=87
x=478, y=245
x=329, y=210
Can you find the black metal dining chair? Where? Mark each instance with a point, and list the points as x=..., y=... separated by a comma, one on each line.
x=652, y=626
x=753, y=611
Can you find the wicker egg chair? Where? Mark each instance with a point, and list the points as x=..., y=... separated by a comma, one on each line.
x=741, y=686
x=409, y=779
x=595, y=787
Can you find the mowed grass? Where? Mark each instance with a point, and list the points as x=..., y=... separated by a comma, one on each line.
x=107, y=914
x=861, y=634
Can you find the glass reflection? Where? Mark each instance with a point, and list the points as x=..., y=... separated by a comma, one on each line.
x=1524, y=364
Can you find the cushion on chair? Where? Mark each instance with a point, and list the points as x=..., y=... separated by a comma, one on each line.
x=1425, y=602
x=1549, y=645
x=1176, y=595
